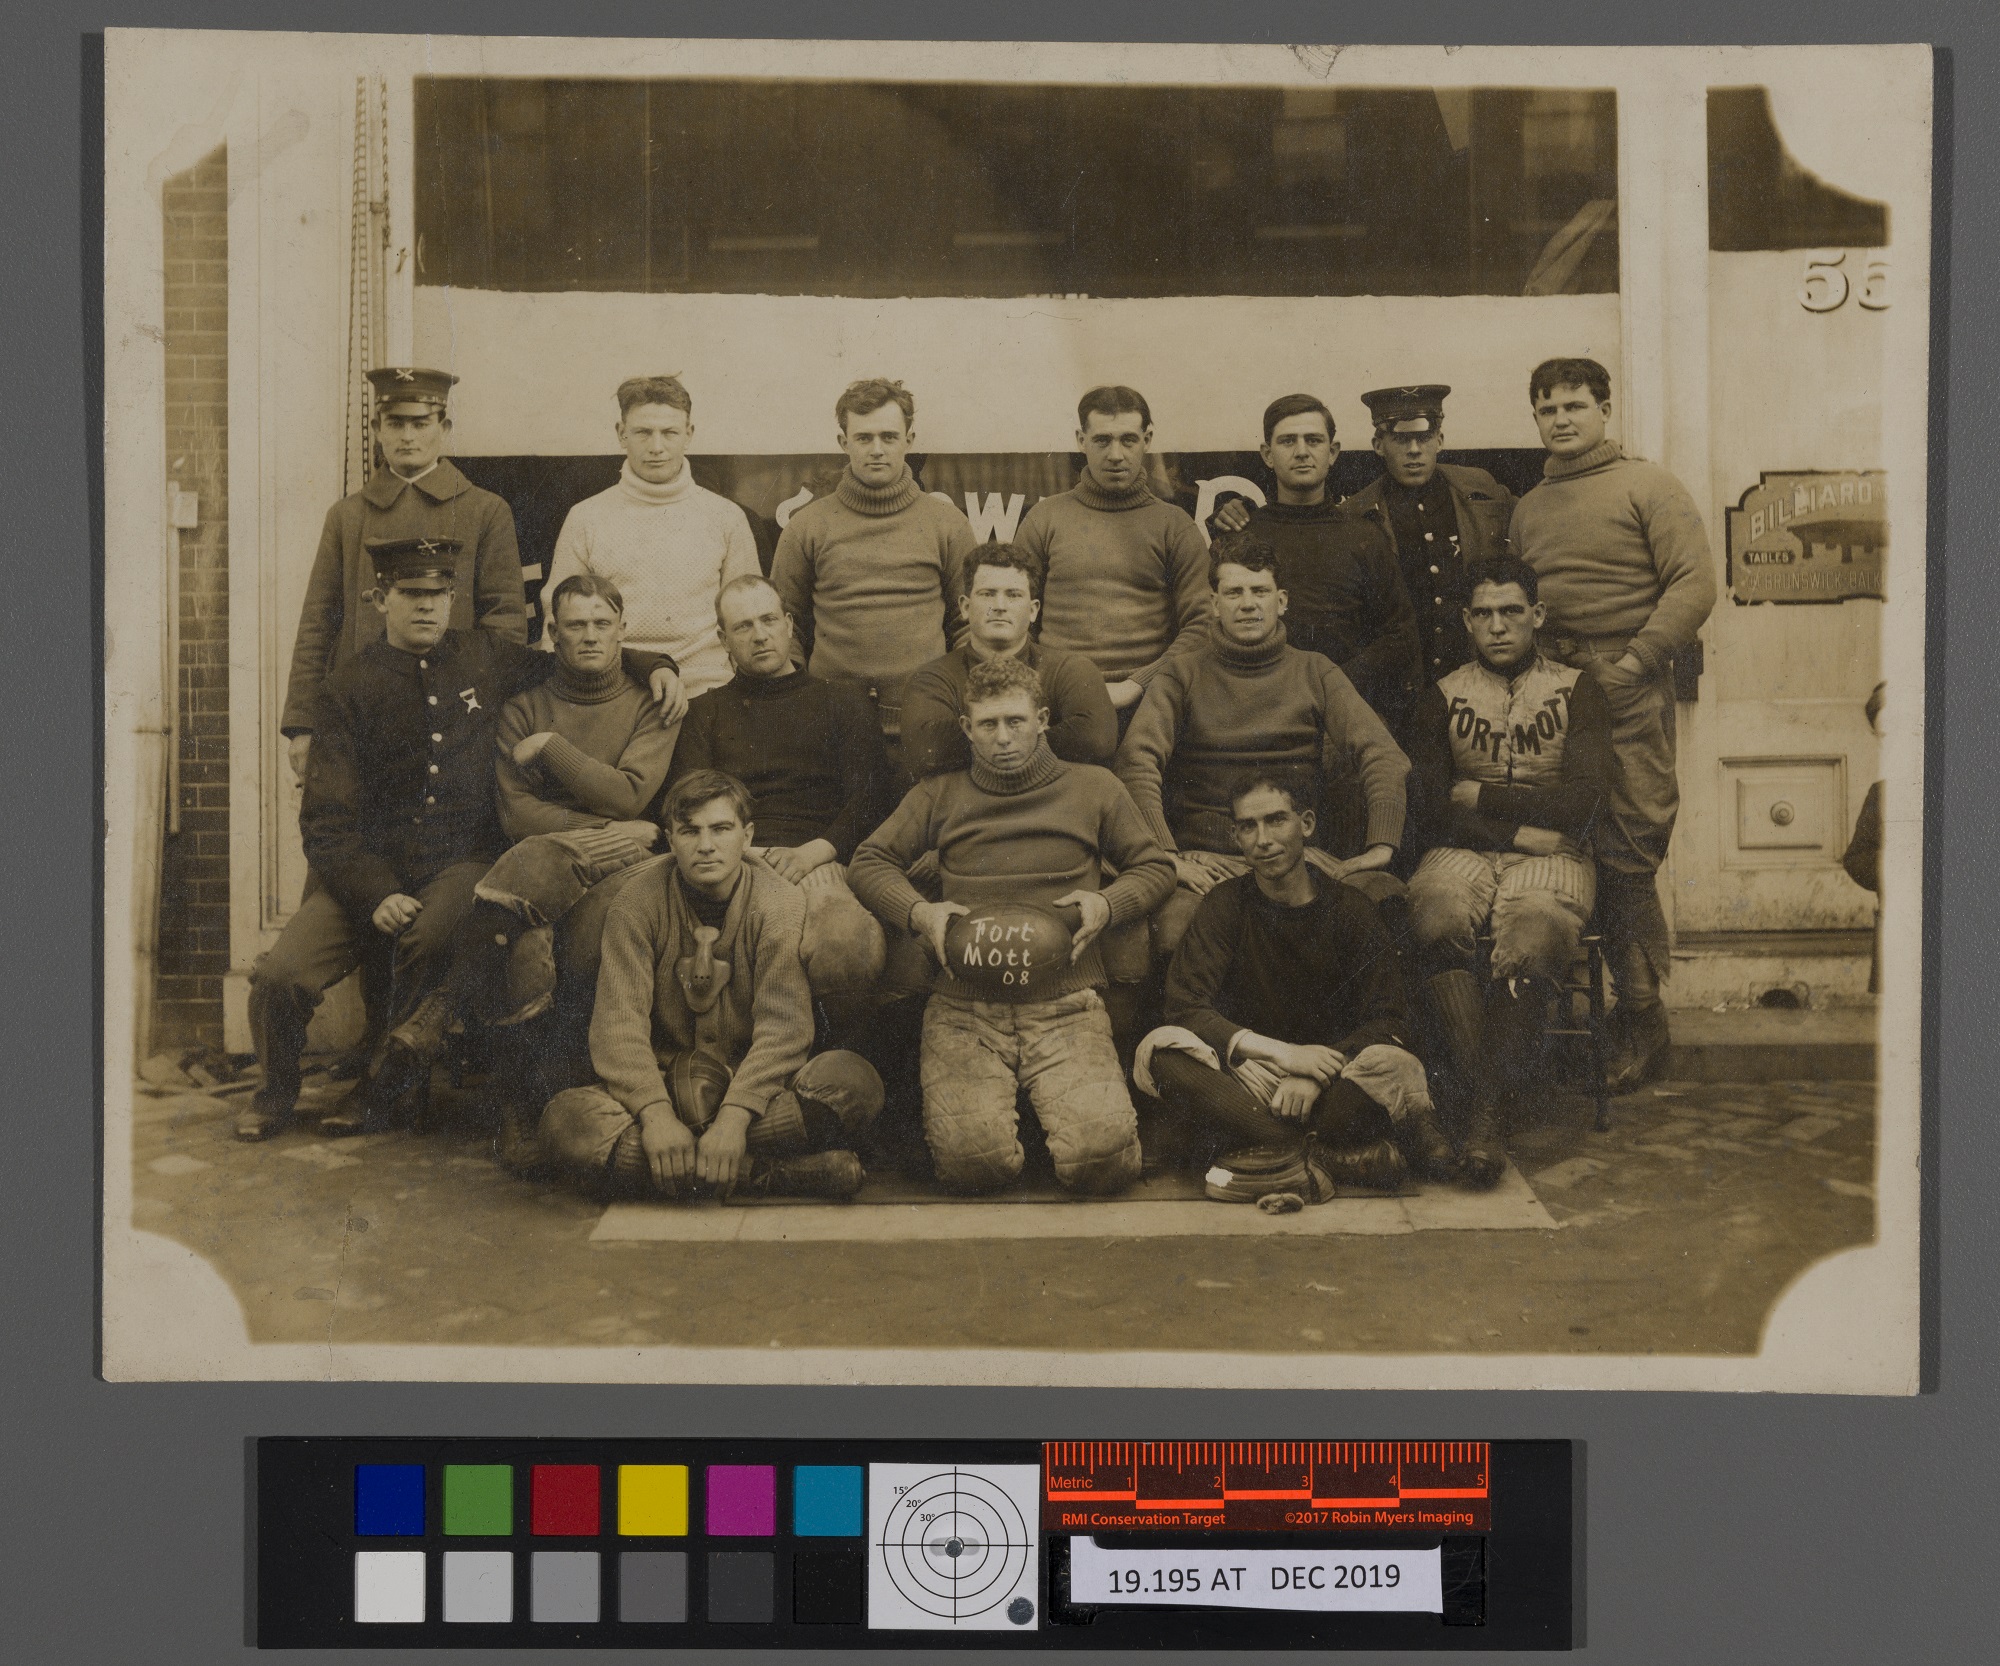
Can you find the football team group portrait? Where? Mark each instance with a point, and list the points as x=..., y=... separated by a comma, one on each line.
x=1308, y=851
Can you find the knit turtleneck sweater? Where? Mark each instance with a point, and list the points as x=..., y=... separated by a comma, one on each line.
x=1567, y=468
x=1028, y=835
x=870, y=576
x=1127, y=580
x=808, y=750
x=1621, y=552
x=604, y=760
x=1135, y=496
x=1209, y=715
x=865, y=499
x=1042, y=767
x=669, y=548
x=589, y=688
x=1348, y=600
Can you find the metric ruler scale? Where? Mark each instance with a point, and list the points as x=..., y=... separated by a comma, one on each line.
x=1263, y=1486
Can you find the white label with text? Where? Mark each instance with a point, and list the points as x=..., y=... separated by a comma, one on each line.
x=1331, y=1581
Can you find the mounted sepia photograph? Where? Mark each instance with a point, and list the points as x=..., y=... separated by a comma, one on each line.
x=962, y=712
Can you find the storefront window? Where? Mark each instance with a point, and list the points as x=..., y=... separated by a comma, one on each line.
x=879, y=189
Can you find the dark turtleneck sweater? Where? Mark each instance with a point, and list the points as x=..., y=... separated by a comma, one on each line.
x=1212, y=714
x=1347, y=599
x=809, y=751
x=871, y=577
x=1030, y=835
x=606, y=759
x=1127, y=577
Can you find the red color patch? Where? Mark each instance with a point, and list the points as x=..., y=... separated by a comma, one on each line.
x=563, y=1501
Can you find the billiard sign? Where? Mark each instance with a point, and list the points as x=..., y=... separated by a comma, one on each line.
x=1818, y=537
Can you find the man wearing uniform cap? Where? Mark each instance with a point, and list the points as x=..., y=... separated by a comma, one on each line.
x=1439, y=518
x=399, y=824
x=416, y=493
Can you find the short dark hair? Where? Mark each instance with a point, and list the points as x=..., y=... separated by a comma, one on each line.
x=1294, y=404
x=1570, y=373
x=739, y=584
x=1023, y=561
x=653, y=390
x=705, y=786
x=1875, y=698
x=1113, y=401
x=586, y=584
x=871, y=393
x=1504, y=569
x=1295, y=782
x=1241, y=549
x=993, y=678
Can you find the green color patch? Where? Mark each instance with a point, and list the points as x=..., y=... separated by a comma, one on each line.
x=478, y=1500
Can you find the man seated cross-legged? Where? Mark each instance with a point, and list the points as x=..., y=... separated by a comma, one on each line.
x=1512, y=763
x=1020, y=827
x=1287, y=1041
x=702, y=1033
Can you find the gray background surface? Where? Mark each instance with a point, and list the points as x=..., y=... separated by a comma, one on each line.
x=1718, y=1527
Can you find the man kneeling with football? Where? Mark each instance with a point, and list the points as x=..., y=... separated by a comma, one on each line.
x=1287, y=1035
x=703, y=1028
x=1024, y=843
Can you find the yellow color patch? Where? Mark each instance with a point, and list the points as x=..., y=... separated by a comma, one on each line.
x=653, y=1501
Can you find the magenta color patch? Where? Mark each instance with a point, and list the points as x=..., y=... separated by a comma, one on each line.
x=742, y=1501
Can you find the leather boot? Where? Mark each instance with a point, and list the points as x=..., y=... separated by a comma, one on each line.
x=1375, y=1167
x=421, y=1036
x=830, y=1174
x=1641, y=1048
x=1427, y=1146
x=517, y=1145
x=1483, y=1158
x=278, y=1017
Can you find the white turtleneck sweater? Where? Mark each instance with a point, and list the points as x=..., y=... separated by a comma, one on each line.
x=669, y=549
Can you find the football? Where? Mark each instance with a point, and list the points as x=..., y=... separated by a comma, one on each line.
x=1007, y=951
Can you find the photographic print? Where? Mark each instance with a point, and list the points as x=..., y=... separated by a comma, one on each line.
x=867, y=712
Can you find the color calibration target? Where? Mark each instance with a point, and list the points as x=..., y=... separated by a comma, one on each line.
x=953, y=1549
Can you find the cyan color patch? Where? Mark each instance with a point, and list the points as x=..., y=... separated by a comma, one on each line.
x=826, y=1501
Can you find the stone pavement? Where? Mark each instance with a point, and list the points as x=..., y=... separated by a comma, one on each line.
x=1674, y=1233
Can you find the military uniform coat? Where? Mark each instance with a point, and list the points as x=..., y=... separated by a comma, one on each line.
x=400, y=783
x=1475, y=530
x=336, y=623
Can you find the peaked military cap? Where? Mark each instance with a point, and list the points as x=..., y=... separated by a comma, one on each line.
x=1417, y=410
x=410, y=385
x=410, y=561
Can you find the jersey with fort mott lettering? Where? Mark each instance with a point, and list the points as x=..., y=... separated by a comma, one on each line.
x=1509, y=731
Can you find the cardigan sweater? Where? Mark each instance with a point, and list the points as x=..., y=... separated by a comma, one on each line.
x=761, y=1025
x=1322, y=974
x=1620, y=550
x=871, y=577
x=607, y=759
x=1030, y=835
x=1211, y=714
x=669, y=549
x=810, y=752
x=1127, y=577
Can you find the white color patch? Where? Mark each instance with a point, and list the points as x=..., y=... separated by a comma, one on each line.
x=388, y=1587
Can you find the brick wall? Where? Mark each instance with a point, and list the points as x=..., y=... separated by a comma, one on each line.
x=194, y=885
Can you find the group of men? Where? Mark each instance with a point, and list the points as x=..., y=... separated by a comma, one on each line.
x=1267, y=776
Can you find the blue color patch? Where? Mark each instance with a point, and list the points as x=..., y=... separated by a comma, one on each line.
x=389, y=1501
x=826, y=1501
